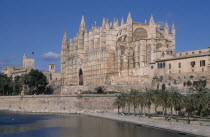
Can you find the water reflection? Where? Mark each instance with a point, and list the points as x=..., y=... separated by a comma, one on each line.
x=39, y=125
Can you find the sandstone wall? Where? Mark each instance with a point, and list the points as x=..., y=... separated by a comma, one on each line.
x=65, y=90
x=52, y=103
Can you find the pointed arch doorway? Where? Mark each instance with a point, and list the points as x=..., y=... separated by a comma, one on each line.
x=80, y=77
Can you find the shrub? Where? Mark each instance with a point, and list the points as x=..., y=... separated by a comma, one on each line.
x=189, y=83
x=100, y=90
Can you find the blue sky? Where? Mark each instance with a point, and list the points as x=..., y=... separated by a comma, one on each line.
x=38, y=25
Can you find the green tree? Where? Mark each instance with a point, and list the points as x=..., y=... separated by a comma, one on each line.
x=164, y=98
x=156, y=99
x=134, y=99
x=129, y=102
x=36, y=81
x=120, y=102
x=176, y=100
x=141, y=101
x=5, y=85
x=201, y=97
x=148, y=97
x=189, y=104
x=17, y=85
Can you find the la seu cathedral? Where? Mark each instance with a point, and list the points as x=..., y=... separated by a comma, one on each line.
x=130, y=53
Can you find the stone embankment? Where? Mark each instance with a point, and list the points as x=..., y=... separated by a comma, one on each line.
x=58, y=103
x=181, y=128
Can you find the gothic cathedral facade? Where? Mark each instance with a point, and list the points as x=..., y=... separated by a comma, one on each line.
x=115, y=54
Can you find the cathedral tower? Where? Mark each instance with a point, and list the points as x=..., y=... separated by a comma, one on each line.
x=82, y=31
x=64, y=55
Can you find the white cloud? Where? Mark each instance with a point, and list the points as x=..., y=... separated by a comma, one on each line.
x=50, y=56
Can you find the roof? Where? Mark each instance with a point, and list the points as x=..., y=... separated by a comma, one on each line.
x=184, y=57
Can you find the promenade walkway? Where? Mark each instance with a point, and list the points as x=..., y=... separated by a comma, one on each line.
x=162, y=124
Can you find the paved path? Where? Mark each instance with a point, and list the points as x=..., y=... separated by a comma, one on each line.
x=175, y=126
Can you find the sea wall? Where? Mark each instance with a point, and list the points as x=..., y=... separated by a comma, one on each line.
x=58, y=103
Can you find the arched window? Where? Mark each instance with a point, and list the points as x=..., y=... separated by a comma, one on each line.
x=80, y=77
x=140, y=33
x=169, y=66
x=149, y=54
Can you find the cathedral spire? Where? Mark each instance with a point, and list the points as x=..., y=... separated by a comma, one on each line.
x=110, y=25
x=122, y=21
x=173, y=29
x=103, y=23
x=115, y=22
x=152, y=22
x=24, y=57
x=166, y=27
x=107, y=24
x=129, y=18
x=65, y=39
x=82, y=25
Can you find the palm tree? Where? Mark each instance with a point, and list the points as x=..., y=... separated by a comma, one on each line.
x=134, y=99
x=128, y=102
x=170, y=103
x=189, y=104
x=148, y=96
x=201, y=97
x=164, y=99
x=120, y=102
x=176, y=100
x=117, y=103
x=141, y=101
x=156, y=99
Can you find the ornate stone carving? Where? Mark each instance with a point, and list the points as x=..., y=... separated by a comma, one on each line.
x=121, y=32
x=159, y=35
x=122, y=39
x=140, y=33
x=122, y=50
x=158, y=46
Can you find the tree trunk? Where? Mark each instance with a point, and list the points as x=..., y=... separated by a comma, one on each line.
x=188, y=118
x=149, y=112
x=156, y=109
x=118, y=109
x=128, y=109
x=134, y=110
x=176, y=115
x=171, y=111
x=201, y=113
x=123, y=109
x=141, y=109
x=165, y=112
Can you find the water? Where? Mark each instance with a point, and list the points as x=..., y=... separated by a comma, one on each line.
x=72, y=125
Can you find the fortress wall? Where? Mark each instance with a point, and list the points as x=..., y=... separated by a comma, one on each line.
x=61, y=104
